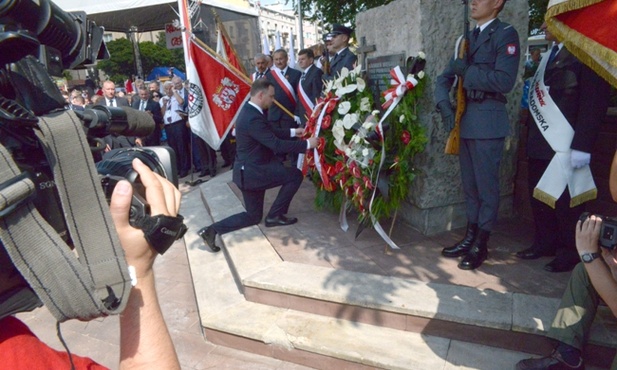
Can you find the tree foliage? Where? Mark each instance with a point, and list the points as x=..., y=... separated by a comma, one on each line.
x=537, y=9
x=121, y=64
x=344, y=11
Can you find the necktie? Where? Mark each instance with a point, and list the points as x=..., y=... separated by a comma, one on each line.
x=110, y=103
x=554, y=52
x=303, y=76
x=142, y=106
x=259, y=75
x=476, y=33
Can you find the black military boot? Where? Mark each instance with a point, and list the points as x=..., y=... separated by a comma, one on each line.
x=461, y=248
x=478, y=252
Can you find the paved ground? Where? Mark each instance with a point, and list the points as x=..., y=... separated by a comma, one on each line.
x=316, y=239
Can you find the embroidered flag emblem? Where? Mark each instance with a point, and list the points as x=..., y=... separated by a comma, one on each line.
x=511, y=49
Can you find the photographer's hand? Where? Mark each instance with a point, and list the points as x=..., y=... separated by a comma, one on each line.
x=144, y=339
x=588, y=234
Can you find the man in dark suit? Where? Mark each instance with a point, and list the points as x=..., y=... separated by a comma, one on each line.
x=111, y=100
x=145, y=104
x=109, y=95
x=488, y=73
x=582, y=98
x=310, y=86
x=285, y=80
x=340, y=55
x=261, y=66
x=257, y=169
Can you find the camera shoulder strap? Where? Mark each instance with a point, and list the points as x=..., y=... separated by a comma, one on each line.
x=95, y=282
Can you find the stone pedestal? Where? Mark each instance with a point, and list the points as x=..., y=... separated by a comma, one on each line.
x=409, y=26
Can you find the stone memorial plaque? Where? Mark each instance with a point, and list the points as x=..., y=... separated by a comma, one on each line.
x=378, y=70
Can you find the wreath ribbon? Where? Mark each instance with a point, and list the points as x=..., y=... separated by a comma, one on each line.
x=400, y=86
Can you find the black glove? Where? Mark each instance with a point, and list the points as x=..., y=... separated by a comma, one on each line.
x=459, y=66
x=447, y=114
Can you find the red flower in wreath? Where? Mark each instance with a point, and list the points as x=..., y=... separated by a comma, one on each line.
x=406, y=137
x=326, y=122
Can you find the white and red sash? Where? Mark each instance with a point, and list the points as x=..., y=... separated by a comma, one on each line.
x=284, y=84
x=559, y=134
x=254, y=76
x=306, y=102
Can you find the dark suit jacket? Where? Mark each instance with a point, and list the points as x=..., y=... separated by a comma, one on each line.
x=120, y=102
x=152, y=107
x=154, y=139
x=312, y=85
x=276, y=114
x=344, y=59
x=494, y=60
x=581, y=95
x=256, y=165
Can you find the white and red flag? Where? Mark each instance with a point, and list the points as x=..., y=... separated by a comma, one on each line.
x=128, y=86
x=588, y=29
x=216, y=92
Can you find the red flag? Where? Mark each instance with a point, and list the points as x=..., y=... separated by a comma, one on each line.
x=587, y=28
x=215, y=97
x=128, y=86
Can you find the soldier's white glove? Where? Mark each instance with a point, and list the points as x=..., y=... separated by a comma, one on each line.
x=297, y=119
x=579, y=159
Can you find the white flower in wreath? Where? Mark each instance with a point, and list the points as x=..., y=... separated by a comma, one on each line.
x=361, y=84
x=338, y=131
x=365, y=152
x=329, y=86
x=357, y=70
x=421, y=55
x=401, y=119
x=375, y=112
x=349, y=120
x=365, y=105
x=420, y=75
x=368, y=125
x=344, y=73
x=344, y=90
x=344, y=107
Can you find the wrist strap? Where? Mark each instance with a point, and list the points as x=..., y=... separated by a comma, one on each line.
x=161, y=231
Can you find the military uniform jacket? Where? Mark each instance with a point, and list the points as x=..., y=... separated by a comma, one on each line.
x=312, y=85
x=581, y=95
x=343, y=59
x=493, y=65
x=275, y=114
x=256, y=144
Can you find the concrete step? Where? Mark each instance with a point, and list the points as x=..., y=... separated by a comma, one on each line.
x=322, y=317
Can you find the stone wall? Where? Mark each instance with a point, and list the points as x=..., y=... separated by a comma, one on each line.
x=410, y=26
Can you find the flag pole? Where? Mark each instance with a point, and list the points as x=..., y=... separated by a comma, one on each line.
x=238, y=72
x=226, y=35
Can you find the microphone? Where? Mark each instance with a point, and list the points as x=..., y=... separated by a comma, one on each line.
x=139, y=123
x=101, y=120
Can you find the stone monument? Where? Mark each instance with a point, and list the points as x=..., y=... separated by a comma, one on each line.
x=406, y=27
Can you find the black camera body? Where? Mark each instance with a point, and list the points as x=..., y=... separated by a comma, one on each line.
x=608, y=230
x=37, y=40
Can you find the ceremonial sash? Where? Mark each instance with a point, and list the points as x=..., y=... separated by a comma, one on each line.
x=305, y=100
x=284, y=84
x=559, y=134
x=254, y=76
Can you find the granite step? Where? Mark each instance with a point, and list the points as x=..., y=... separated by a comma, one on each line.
x=250, y=298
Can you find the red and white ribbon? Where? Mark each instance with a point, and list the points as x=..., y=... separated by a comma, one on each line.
x=400, y=86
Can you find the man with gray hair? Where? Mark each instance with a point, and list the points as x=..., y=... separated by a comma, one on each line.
x=261, y=66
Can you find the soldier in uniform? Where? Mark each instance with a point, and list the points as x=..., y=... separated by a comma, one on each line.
x=489, y=72
x=340, y=55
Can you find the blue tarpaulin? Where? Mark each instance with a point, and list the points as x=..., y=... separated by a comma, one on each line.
x=159, y=72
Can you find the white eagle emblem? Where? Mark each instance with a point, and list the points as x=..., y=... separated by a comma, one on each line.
x=226, y=93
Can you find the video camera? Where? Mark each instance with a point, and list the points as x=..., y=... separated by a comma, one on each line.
x=608, y=230
x=38, y=40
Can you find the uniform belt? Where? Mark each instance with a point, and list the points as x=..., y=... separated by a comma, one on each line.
x=480, y=96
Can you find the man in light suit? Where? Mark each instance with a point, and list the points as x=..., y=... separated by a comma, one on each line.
x=310, y=87
x=582, y=97
x=489, y=72
x=145, y=104
x=340, y=55
x=257, y=169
